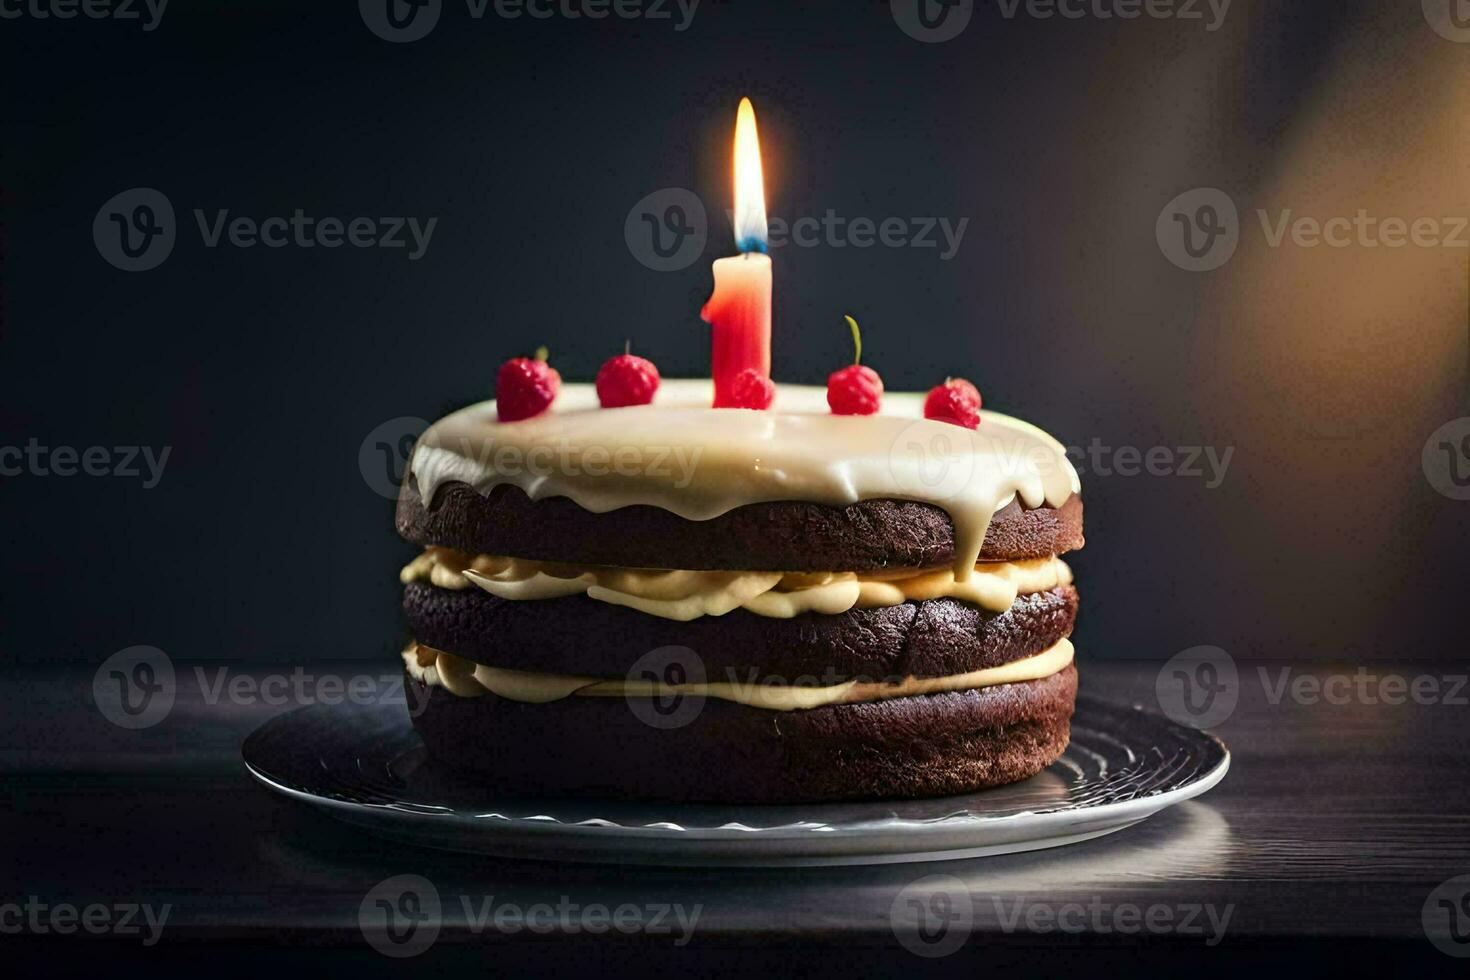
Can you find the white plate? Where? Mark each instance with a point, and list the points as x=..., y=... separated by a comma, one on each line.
x=365, y=765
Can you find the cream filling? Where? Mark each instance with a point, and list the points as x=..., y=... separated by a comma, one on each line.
x=466, y=679
x=684, y=595
x=683, y=456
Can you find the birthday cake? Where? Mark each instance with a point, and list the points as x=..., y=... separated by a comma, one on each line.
x=825, y=594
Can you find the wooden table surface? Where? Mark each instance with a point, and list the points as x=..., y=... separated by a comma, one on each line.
x=1340, y=815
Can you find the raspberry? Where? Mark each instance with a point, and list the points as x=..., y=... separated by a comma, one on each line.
x=751, y=389
x=626, y=380
x=525, y=387
x=956, y=402
x=855, y=390
x=970, y=390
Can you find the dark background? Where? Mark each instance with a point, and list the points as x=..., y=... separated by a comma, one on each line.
x=530, y=141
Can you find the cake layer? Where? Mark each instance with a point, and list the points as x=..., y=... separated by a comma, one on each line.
x=928, y=745
x=579, y=635
x=870, y=535
x=633, y=482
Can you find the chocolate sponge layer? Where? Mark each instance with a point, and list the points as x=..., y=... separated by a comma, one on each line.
x=578, y=635
x=931, y=745
x=778, y=536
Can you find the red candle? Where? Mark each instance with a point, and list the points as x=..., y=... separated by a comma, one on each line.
x=740, y=309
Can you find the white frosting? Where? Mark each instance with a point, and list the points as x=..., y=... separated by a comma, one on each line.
x=466, y=679
x=685, y=595
x=700, y=462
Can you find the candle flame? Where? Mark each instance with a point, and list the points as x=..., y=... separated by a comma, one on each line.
x=750, y=191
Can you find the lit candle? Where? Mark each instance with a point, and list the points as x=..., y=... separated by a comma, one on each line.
x=740, y=309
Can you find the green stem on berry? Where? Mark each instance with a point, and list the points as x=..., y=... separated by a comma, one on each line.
x=857, y=340
x=541, y=353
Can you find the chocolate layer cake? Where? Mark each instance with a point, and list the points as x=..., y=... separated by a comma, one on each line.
x=671, y=601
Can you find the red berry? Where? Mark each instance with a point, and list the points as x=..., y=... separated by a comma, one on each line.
x=626, y=380
x=524, y=387
x=956, y=401
x=855, y=390
x=970, y=390
x=751, y=389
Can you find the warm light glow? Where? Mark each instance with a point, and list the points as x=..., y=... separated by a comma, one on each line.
x=750, y=185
